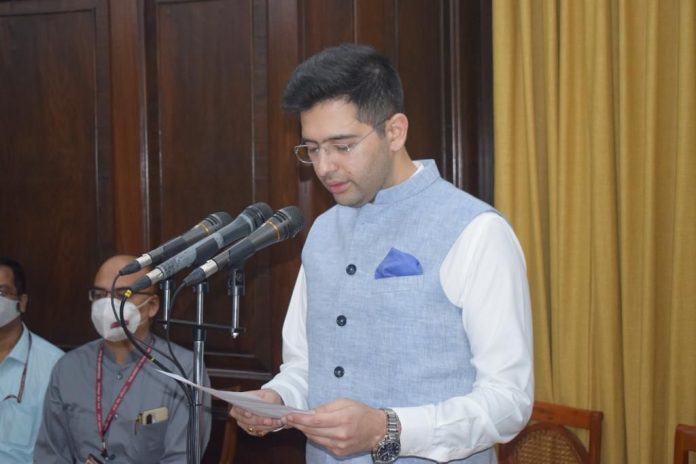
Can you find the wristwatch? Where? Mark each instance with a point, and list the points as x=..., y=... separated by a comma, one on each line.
x=389, y=448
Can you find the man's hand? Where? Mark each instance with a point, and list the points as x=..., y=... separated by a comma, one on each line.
x=258, y=425
x=343, y=427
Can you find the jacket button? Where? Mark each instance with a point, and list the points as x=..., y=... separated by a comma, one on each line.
x=338, y=372
x=341, y=320
x=350, y=269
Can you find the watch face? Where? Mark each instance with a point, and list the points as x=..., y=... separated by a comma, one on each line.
x=389, y=451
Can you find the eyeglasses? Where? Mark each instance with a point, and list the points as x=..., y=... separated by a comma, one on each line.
x=308, y=153
x=96, y=293
x=7, y=293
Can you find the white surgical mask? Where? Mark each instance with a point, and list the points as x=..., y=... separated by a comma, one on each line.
x=9, y=310
x=106, y=323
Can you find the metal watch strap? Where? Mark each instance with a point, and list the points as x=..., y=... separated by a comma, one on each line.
x=392, y=424
x=389, y=448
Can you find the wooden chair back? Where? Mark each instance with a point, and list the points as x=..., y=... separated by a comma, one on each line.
x=684, y=441
x=548, y=437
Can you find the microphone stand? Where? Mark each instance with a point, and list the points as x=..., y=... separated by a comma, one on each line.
x=198, y=350
x=166, y=286
x=235, y=289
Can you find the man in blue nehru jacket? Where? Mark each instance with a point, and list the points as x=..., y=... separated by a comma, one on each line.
x=409, y=330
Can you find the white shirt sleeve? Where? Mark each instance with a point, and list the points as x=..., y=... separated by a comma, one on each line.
x=291, y=382
x=484, y=273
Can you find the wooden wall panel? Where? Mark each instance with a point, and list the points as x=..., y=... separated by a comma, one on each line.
x=207, y=64
x=326, y=23
x=55, y=156
x=420, y=63
x=376, y=24
x=469, y=102
x=131, y=221
x=205, y=98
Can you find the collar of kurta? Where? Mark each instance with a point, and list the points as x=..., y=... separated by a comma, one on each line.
x=411, y=186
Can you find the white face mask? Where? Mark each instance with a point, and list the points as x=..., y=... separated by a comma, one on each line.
x=9, y=310
x=106, y=323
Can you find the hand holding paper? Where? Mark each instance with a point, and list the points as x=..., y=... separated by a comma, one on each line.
x=248, y=401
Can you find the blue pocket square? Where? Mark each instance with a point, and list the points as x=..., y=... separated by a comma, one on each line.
x=398, y=264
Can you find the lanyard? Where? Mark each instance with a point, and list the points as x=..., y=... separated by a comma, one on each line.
x=103, y=427
x=23, y=379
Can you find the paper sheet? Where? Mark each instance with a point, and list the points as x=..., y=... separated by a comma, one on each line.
x=245, y=400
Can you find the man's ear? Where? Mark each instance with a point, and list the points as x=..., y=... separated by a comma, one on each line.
x=396, y=130
x=153, y=306
x=23, y=303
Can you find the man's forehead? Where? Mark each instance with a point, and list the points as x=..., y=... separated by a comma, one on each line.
x=109, y=270
x=6, y=277
x=338, y=109
x=331, y=119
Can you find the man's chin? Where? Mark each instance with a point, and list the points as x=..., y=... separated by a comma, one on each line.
x=350, y=197
x=345, y=200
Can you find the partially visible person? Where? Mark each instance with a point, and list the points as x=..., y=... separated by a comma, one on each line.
x=26, y=361
x=105, y=402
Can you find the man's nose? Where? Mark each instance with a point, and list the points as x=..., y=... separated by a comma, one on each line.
x=324, y=163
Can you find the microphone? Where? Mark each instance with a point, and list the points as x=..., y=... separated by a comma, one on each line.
x=284, y=224
x=207, y=226
x=244, y=224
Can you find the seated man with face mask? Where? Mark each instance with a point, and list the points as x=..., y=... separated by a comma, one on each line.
x=26, y=361
x=105, y=402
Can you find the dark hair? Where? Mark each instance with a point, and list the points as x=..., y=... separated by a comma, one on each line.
x=354, y=72
x=20, y=282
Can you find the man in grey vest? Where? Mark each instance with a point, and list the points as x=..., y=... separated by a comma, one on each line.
x=409, y=331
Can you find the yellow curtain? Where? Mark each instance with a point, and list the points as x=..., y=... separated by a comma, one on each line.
x=595, y=166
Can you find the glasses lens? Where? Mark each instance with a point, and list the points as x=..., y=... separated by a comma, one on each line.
x=302, y=154
x=7, y=293
x=96, y=293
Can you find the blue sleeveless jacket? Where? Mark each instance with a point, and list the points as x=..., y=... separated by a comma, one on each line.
x=379, y=327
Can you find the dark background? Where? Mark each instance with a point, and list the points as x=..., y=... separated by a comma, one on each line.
x=125, y=122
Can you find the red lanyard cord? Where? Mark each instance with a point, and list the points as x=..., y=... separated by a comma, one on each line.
x=103, y=427
x=23, y=379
